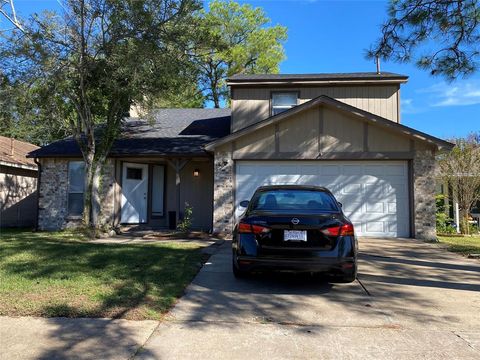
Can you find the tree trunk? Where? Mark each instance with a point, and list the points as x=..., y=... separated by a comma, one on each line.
x=216, y=99
x=87, y=194
x=95, y=196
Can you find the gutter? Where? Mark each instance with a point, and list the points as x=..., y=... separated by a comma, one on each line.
x=39, y=178
x=16, y=165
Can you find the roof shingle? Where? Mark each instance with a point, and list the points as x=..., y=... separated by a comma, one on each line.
x=14, y=152
x=168, y=132
x=358, y=76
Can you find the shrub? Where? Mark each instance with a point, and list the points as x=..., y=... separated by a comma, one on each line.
x=186, y=223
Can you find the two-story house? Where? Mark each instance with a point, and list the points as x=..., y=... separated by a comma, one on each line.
x=341, y=131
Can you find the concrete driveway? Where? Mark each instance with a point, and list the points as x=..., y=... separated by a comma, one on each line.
x=413, y=300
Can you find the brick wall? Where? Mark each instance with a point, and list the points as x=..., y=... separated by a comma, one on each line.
x=424, y=194
x=223, y=193
x=53, y=195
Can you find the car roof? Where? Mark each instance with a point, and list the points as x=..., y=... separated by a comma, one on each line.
x=293, y=187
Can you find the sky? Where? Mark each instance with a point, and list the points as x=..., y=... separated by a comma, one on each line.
x=331, y=36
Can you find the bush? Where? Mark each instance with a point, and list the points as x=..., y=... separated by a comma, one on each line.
x=186, y=223
x=444, y=223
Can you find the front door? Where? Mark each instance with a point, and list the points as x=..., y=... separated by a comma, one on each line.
x=134, y=193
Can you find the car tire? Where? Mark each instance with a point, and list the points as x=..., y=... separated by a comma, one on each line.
x=237, y=272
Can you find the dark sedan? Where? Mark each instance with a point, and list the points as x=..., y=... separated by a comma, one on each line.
x=295, y=228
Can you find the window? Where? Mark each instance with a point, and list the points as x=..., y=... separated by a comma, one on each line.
x=283, y=101
x=76, y=185
x=158, y=176
x=134, y=173
x=301, y=201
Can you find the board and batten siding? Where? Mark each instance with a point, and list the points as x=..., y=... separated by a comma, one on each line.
x=252, y=104
x=321, y=132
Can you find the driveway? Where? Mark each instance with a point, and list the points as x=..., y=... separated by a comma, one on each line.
x=413, y=300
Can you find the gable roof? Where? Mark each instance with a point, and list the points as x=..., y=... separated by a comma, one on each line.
x=14, y=153
x=171, y=132
x=328, y=101
x=240, y=79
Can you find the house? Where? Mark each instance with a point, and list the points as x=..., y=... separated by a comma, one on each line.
x=342, y=131
x=18, y=184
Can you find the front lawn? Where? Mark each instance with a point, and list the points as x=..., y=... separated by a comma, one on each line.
x=464, y=245
x=61, y=274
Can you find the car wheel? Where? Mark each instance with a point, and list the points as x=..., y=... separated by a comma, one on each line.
x=237, y=272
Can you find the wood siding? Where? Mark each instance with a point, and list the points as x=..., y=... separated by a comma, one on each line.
x=18, y=197
x=252, y=104
x=322, y=133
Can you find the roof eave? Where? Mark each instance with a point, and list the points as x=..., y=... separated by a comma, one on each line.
x=17, y=165
x=386, y=81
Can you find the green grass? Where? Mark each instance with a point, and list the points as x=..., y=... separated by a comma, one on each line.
x=464, y=245
x=61, y=274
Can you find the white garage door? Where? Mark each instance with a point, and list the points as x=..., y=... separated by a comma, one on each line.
x=374, y=194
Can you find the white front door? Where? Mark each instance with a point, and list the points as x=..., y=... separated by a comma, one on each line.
x=134, y=193
x=374, y=193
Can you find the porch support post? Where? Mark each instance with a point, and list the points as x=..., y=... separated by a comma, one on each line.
x=178, y=165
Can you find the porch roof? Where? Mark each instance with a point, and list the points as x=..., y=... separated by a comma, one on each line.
x=169, y=132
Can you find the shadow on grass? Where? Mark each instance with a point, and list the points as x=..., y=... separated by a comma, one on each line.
x=80, y=279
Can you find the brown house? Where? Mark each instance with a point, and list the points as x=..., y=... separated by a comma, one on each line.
x=18, y=184
x=341, y=131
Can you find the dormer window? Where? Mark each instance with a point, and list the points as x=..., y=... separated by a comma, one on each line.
x=282, y=101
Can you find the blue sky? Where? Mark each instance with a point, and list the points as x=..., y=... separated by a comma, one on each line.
x=331, y=36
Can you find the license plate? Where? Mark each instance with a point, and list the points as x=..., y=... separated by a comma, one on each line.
x=294, y=235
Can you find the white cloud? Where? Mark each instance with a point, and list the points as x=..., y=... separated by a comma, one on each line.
x=461, y=93
x=409, y=107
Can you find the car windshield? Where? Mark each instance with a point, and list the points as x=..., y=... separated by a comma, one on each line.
x=283, y=200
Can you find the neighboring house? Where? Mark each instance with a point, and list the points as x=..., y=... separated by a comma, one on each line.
x=341, y=131
x=18, y=184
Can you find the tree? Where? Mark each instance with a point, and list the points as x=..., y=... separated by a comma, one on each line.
x=20, y=118
x=447, y=34
x=95, y=59
x=235, y=39
x=8, y=12
x=460, y=169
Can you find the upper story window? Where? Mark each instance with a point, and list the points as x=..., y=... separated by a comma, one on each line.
x=282, y=101
x=76, y=186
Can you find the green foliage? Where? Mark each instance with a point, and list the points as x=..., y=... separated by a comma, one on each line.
x=460, y=169
x=443, y=221
x=185, y=95
x=20, y=117
x=447, y=33
x=235, y=38
x=186, y=223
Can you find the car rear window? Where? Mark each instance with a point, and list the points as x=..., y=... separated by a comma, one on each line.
x=309, y=201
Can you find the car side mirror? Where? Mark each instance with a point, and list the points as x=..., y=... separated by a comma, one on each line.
x=340, y=204
x=244, y=203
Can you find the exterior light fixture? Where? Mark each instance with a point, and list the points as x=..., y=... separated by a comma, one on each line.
x=196, y=172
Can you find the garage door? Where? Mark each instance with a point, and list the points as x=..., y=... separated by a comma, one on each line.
x=374, y=194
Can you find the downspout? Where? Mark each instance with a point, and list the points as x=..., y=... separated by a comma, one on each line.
x=39, y=177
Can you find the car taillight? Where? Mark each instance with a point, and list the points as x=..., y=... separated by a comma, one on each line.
x=344, y=230
x=245, y=228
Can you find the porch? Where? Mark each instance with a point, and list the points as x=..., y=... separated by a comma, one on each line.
x=153, y=192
